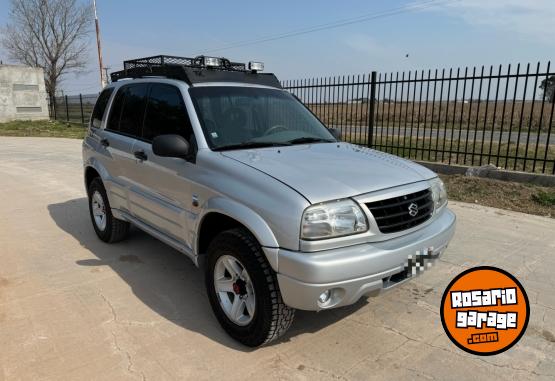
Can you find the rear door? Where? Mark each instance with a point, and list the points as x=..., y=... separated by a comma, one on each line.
x=162, y=196
x=122, y=128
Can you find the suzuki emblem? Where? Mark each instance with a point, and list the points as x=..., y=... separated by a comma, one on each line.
x=413, y=209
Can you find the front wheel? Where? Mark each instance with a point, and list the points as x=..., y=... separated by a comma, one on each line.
x=243, y=290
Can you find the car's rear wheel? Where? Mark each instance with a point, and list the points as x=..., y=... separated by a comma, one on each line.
x=107, y=227
x=243, y=290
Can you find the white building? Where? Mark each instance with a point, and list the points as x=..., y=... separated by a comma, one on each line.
x=22, y=93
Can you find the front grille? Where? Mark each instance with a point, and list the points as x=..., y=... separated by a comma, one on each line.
x=393, y=215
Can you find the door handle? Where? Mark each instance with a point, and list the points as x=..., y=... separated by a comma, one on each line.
x=105, y=142
x=141, y=155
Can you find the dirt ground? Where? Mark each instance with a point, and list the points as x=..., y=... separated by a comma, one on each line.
x=526, y=198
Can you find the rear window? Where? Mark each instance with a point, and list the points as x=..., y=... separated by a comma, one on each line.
x=115, y=111
x=131, y=121
x=100, y=107
x=128, y=108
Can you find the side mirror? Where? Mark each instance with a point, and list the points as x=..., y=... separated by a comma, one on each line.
x=171, y=146
x=336, y=133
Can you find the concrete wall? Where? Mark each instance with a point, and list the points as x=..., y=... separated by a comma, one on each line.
x=22, y=93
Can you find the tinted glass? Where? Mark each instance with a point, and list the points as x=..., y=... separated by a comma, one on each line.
x=115, y=111
x=166, y=113
x=236, y=115
x=100, y=107
x=134, y=102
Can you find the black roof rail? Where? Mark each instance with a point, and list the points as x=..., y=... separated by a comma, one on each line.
x=192, y=70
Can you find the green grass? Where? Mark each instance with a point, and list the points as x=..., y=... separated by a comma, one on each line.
x=42, y=128
x=545, y=198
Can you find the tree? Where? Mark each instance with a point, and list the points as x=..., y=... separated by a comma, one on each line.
x=548, y=87
x=51, y=34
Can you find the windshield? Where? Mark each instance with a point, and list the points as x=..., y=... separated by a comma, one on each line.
x=242, y=117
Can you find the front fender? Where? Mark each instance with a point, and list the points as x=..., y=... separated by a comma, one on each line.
x=248, y=218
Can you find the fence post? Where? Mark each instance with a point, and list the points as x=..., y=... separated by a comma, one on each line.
x=67, y=110
x=371, y=108
x=81, y=104
x=53, y=100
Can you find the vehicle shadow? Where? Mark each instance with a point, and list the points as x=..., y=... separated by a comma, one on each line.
x=166, y=280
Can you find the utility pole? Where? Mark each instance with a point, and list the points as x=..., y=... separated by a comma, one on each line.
x=102, y=78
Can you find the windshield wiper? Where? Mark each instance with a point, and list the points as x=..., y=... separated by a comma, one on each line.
x=309, y=139
x=251, y=145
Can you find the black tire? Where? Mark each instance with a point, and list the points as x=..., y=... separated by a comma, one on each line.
x=272, y=318
x=115, y=230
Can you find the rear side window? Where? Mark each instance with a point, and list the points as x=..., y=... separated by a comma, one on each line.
x=132, y=114
x=166, y=113
x=128, y=108
x=100, y=107
x=115, y=111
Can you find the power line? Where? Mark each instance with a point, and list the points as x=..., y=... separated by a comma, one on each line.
x=336, y=24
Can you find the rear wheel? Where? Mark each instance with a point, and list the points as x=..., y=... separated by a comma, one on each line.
x=107, y=227
x=243, y=290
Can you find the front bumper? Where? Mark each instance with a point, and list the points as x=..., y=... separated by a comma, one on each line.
x=354, y=271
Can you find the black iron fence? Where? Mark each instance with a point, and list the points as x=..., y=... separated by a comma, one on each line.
x=471, y=116
x=72, y=108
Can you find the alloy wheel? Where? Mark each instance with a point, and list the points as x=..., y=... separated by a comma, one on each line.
x=234, y=289
x=98, y=210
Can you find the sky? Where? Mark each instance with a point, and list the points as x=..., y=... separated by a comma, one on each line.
x=451, y=33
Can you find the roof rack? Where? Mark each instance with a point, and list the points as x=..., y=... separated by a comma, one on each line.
x=193, y=70
x=198, y=62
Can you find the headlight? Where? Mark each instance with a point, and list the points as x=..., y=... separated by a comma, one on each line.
x=439, y=194
x=333, y=219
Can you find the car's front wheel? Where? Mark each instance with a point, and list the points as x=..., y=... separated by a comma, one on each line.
x=243, y=290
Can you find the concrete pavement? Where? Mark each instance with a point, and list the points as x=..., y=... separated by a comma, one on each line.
x=75, y=308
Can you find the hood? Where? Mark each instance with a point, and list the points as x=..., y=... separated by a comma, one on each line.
x=328, y=171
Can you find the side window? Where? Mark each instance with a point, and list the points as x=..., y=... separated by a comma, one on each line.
x=115, y=111
x=132, y=114
x=166, y=114
x=100, y=107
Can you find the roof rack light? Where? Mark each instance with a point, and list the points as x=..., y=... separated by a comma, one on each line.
x=211, y=61
x=256, y=66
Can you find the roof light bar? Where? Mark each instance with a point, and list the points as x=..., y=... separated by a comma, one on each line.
x=256, y=66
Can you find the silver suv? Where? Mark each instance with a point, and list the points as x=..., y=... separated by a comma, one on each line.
x=216, y=160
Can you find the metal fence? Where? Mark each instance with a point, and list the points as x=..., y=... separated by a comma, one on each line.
x=471, y=116
x=72, y=108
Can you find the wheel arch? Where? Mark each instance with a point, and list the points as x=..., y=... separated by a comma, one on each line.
x=93, y=168
x=221, y=214
x=90, y=174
